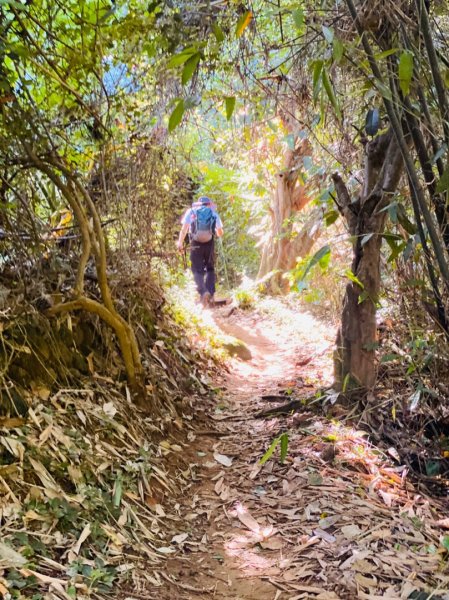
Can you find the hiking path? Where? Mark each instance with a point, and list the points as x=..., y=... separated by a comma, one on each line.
x=336, y=519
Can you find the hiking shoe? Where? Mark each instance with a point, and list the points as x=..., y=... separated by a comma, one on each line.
x=206, y=299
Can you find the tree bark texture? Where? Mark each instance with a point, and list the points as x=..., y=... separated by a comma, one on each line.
x=286, y=241
x=354, y=358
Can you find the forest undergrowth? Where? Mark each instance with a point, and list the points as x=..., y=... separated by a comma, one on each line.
x=103, y=500
x=294, y=498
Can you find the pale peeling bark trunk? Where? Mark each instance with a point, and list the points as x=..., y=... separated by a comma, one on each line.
x=355, y=365
x=285, y=242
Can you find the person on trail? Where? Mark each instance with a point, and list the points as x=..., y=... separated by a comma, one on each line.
x=202, y=223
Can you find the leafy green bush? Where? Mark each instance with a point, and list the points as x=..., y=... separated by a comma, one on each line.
x=245, y=299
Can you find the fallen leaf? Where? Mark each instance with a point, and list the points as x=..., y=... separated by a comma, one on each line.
x=351, y=531
x=363, y=566
x=249, y=521
x=315, y=479
x=320, y=533
x=9, y=557
x=223, y=459
x=82, y=538
x=387, y=497
x=218, y=486
x=11, y=422
x=166, y=550
x=444, y=523
x=109, y=409
x=328, y=521
x=42, y=577
x=365, y=581
x=178, y=539
x=274, y=543
x=257, y=467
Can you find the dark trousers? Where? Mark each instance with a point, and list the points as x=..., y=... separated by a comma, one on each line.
x=202, y=262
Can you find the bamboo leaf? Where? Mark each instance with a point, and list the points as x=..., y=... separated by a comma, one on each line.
x=383, y=89
x=190, y=68
x=269, y=453
x=438, y=154
x=218, y=33
x=366, y=238
x=316, y=258
x=330, y=93
x=298, y=18
x=328, y=34
x=372, y=122
x=350, y=275
x=243, y=23
x=176, y=116
x=331, y=216
x=118, y=491
x=337, y=49
x=443, y=184
x=317, y=68
x=230, y=106
x=403, y=219
x=385, y=53
x=13, y=3
x=284, y=446
x=181, y=58
x=405, y=70
x=281, y=439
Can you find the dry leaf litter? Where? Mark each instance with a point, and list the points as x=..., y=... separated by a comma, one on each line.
x=99, y=501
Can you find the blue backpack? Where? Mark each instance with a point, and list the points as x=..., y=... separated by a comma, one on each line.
x=202, y=226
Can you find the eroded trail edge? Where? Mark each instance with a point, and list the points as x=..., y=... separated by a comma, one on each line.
x=335, y=520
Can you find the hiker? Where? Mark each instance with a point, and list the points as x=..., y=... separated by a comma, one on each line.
x=203, y=223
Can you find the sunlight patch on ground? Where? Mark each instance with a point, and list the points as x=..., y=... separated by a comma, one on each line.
x=289, y=313
x=246, y=546
x=197, y=321
x=351, y=447
x=249, y=544
x=281, y=337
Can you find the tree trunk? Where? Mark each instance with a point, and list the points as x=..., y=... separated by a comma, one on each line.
x=357, y=336
x=286, y=241
x=354, y=357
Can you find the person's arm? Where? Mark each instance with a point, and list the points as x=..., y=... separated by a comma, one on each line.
x=218, y=227
x=182, y=235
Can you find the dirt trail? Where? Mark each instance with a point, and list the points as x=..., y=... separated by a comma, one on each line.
x=331, y=522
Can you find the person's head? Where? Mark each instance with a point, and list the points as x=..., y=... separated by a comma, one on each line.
x=204, y=200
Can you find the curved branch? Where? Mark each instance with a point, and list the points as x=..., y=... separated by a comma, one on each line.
x=347, y=208
x=121, y=328
x=77, y=211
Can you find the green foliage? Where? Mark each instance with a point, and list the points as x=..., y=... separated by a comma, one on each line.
x=443, y=183
x=230, y=106
x=298, y=18
x=331, y=93
x=283, y=441
x=243, y=23
x=176, y=115
x=190, y=68
x=405, y=71
x=321, y=257
x=245, y=298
